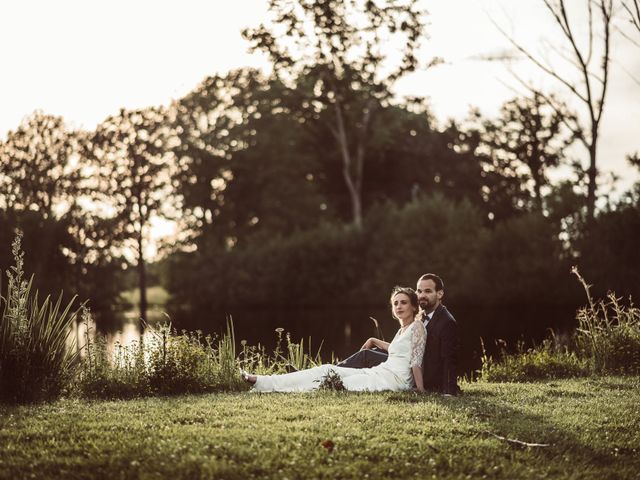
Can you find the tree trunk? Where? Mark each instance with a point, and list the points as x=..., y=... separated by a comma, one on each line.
x=537, y=180
x=142, y=283
x=356, y=204
x=354, y=185
x=592, y=173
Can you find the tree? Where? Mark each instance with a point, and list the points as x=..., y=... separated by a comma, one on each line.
x=608, y=252
x=590, y=89
x=41, y=194
x=522, y=144
x=38, y=187
x=38, y=166
x=131, y=162
x=333, y=50
x=409, y=157
x=247, y=165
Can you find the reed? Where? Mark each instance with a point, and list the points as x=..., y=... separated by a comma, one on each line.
x=606, y=341
x=36, y=362
x=608, y=333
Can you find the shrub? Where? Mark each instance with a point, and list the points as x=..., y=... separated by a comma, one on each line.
x=183, y=363
x=169, y=363
x=176, y=363
x=607, y=341
x=523, y=256
x=333, y=261
x=544, y=362
x=35, y=361
x=608, y=334
x=118, y=374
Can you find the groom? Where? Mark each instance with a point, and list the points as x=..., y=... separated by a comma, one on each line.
x=439, y=361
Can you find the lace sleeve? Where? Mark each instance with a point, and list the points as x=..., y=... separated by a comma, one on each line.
x=418, y=342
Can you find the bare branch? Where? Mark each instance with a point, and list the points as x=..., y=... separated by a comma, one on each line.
x=626, y=36
x=563, y=55
x=634, y=16
x=584, y=65
x=542, y=66
x=606, y=18
x=516, y=442
x=629, y=74
x=575, y=129
x=590, y=9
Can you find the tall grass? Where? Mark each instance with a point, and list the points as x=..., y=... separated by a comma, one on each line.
x=606, y=341
x=294, y=354
x=172, y=362
x=120, y=373
x=35, y=363
x=608, y=333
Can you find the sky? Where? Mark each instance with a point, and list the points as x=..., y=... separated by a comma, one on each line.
x=84, y=60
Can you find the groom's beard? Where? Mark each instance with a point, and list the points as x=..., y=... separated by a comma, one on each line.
x=427, y=307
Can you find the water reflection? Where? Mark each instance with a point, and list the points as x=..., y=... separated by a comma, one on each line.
x=123, y=329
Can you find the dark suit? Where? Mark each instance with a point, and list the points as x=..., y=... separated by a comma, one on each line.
x=365, y=358
x=439, y=361
x=440, y=356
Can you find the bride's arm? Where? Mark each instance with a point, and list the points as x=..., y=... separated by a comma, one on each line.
x=418, y=344
x=375, y=342
x=417, y=377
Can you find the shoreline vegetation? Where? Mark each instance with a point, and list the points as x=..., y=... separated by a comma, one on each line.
x=38, y=360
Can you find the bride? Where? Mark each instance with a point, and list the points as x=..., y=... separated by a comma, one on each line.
x=401, y=371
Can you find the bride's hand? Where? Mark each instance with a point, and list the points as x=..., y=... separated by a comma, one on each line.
x=368, y=344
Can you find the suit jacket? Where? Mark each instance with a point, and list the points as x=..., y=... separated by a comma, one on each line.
x=440, y=356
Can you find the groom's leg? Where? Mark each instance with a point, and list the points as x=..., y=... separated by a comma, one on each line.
x=365, y=359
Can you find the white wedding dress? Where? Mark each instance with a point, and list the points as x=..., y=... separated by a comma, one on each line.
x=405, y=351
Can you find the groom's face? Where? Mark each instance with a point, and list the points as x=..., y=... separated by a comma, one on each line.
x=428, y=297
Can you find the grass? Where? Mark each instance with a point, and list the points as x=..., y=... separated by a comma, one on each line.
x=592, y=426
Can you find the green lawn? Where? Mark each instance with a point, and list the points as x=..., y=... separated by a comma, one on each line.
x=592, y=427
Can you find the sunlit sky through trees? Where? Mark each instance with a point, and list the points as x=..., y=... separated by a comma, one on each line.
x=85, y=60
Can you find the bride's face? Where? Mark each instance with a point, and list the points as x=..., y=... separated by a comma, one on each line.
x=402, y=308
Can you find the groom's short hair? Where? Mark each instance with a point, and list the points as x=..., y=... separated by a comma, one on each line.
x=436, y=279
